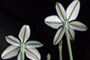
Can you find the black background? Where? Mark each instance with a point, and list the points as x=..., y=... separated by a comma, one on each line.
x=15, y=13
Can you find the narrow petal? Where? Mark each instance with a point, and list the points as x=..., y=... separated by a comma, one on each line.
x=24, y=33
x=32, y=54
x=58, y=36
x=78, y=26
x=10, y=52
x=19, y=56
x=53, y=21
x=60, y=11
x=71, y=34
x=12, y=40
x=73, y=10
x=33, y=44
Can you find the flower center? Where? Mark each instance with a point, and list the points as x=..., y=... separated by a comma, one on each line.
x=22, y=47
x=66, y=24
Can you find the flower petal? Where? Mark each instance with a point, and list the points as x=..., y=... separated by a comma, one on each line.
x=32, y=54
x=60, y=11
x=33, y=44
x=24, y=33
x=78, y=26
x=71, y=34
x=58, y=36
x=10, y=52
x=19, y=56
x=53, y=21
x=12, y=40
x=73, y=10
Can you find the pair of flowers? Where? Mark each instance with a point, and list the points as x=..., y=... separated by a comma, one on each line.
x=63, y=23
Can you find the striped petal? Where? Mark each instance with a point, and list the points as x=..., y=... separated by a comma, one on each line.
x=73, y=10
x=12, y=40
x=71, y=34
x=58, y=36
x=53, y=21
x=10, y=52
x=32, y=54
x=78, y=26
x=33, y=44
x=60, y=11
x=24, y=33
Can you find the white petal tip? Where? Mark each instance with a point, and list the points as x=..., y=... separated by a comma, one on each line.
x=72, y=39
x=7, y=36
x=57, y=2
x=41, y=44
x=54, y=44
x=2, y=56
x=25, y=25
x=24, y=33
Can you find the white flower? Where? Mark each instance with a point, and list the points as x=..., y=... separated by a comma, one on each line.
x=65, y=19
x=28, y=47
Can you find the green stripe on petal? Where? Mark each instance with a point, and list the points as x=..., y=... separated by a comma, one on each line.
x=58, y=36
x=33, y=44
x=12, y=40
x=60, y=11
x=32, y=54
x=54, y=22
x=10, y=52
x=78, y=26
x=71, y=33
x=74, y=12
x=24, y=33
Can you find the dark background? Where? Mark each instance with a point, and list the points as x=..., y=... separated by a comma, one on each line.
x=15, y=13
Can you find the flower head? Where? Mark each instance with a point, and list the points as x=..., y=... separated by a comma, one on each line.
x=65, y=19
x=28, y=47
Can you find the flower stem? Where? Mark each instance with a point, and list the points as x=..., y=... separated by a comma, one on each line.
x=68, y=41
x=69, y=48
x=22, y=51
x=60, y=50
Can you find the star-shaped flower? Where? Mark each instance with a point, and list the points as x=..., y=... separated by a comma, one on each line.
x=65, y=19
x=28, y=47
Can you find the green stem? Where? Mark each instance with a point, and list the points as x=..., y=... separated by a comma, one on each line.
x=22, y=51
x=68, y=41
x=60, y=50
x=69, y=48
